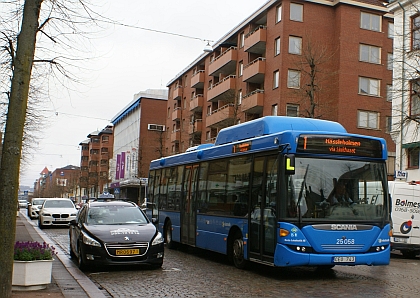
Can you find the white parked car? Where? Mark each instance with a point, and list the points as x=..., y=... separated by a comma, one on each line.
x=56, y=212
x=34, y=206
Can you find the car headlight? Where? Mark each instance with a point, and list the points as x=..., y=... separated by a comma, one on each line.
x=73, y=214
x=89, y=240
x=158, y=239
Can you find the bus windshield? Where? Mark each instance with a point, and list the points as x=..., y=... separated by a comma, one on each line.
x=336, y=190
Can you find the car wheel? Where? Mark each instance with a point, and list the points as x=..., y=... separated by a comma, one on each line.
x=238, y=251
x=168, y=235
x=72, y=254
x=81, y=259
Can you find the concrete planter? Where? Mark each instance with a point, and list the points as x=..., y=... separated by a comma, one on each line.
x=31, y=275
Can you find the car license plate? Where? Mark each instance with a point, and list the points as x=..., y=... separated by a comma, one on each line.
x=60, y=219
x=344, y=259
x=400, y=240
x=126, y=252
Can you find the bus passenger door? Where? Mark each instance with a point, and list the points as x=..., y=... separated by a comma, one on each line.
x=263, y=219
x=188, y=211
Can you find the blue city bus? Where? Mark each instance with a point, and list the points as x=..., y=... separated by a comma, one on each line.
x=267, y=191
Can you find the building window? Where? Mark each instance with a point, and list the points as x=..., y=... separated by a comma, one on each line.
x=295, y=45
x=293, y=78
x=389, y=61
x=276, y=77
x=415, y=98
x=292, y=110
x=296, y=12
x=239, y=97
x=368, y=86
x=391, y=30
x=370, y=54
x=277, y=46
x=274, y=110
x=389, y=92
x=415, y=33
x=156, y=127
x=413, y=157
x=368, y=120
x=278, y=13
x=241, y=40
x=370, y=21
x=240, y=69
x=388, y=127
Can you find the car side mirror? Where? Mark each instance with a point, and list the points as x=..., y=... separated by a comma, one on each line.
x=73, y=222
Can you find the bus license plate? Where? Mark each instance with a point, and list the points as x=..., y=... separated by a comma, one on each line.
x=400, y=240
x=126, y=252
x=344, y=259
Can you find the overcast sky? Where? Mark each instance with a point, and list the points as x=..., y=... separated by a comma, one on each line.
x=129, y=61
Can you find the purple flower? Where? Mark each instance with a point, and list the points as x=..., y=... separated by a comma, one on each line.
x=32, y=250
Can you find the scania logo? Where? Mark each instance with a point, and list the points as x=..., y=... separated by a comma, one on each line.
x=344, y=227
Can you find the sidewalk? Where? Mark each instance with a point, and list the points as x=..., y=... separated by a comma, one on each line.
x=67, y=279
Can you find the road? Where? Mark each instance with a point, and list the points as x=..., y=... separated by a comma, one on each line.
x=189, y=272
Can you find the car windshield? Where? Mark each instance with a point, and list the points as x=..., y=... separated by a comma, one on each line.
x=113, y=215
x=337, y=190
x=58, y=204
x=37, y=202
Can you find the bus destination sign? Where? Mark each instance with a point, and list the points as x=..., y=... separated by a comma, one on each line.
x=241, y=147
x=339, y=145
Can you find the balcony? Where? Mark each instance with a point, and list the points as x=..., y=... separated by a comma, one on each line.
x=176, y=136
x=177, y=94
x=176, y=114
x=254, y=72
x=225, y=63
x=195, y=127
x=221, y=117
x=253, y=102
x=197, y=80
x=219, y=91
x=255, y=41
x=196, y=103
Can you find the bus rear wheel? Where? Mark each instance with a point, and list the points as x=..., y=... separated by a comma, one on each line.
x=238, y=252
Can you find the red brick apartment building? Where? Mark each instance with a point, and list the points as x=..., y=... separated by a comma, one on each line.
x=324, y=59
x=96, y=152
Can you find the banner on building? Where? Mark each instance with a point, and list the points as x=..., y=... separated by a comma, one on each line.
x=117, y=169
x=122, y=169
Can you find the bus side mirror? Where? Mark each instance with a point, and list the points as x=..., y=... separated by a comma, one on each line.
x=289, y=164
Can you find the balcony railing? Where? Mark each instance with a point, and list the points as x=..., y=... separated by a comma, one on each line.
x=255, y=41
x=218, y=91
x=196, y=127
x=225, y=63
x=176, y=114
x=221, y=117
x=253, y=102
x=196, y=103
x=177, y=94
x=176, y=136
x=197, y=79
x=254, y=71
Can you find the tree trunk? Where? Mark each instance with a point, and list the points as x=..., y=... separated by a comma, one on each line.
x=12, y=145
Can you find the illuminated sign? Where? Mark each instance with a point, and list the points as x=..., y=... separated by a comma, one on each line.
x=242, y=147
x=339, y=145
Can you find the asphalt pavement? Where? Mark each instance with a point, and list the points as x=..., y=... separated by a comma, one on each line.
x=67, y=279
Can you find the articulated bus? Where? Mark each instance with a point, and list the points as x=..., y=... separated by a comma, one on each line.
x=265, y=192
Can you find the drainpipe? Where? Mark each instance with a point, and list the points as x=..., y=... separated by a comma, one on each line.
x=403, y=86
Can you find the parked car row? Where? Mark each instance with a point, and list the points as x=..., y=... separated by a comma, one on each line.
x=103, y=232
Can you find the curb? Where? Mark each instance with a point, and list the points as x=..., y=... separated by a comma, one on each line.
x=89, y=287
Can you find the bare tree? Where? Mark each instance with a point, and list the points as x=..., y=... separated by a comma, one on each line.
x=315, y=77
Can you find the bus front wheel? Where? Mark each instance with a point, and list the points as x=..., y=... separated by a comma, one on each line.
x=238, y=252
x=168, y=235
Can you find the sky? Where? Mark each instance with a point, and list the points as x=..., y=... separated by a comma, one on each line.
x=127, y=61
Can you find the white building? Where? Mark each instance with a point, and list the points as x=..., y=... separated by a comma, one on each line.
x=406, y=87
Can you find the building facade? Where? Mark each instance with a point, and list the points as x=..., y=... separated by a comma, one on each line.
x=96, y=155
x=406, y=88
x=138, y=139
x=321, y=59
